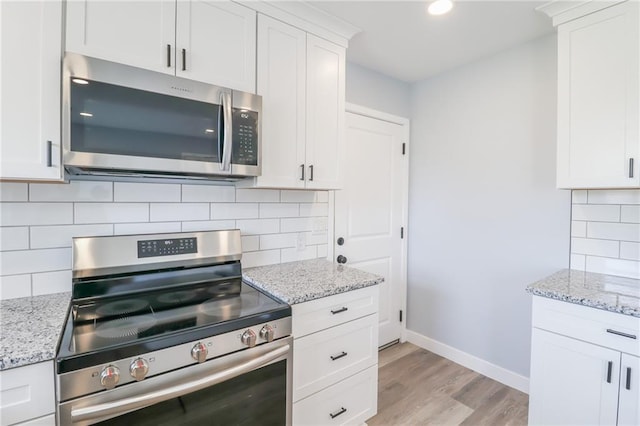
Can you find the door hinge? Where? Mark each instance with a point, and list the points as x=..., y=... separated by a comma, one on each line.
x=400, y=315
x=404, y=148
x=402, y=232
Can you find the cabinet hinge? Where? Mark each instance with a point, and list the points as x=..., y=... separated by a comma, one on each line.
x=402, y=232
x=404, y=148
x=400, y=315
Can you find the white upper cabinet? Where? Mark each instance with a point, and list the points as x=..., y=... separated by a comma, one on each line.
x=30, y=90
x=325, y=113
x=212, y=42
x=598, y=98
x=282, y=85
x=301, y=79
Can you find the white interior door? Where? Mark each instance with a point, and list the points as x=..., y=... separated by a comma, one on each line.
x=369, y=212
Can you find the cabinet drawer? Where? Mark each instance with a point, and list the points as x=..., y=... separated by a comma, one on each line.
x=324, y=358
x=604, y=328
x=26, y=393
x=320, y=314
x=352, y=401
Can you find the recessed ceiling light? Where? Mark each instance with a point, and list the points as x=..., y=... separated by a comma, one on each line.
x=440, y=7
x=86, y=114
x=79, y=81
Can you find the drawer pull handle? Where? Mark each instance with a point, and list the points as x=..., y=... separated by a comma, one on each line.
x=337, y=413
x=609, y=369
x=337, y=311
x=628, y=384
x=341, y=355
x=620, y=333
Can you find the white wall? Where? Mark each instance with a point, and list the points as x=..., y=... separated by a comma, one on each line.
x=371, y=89
x=37, y=222
x=485, y=217
x=605, y=232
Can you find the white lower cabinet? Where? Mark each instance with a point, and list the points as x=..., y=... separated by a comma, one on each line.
x=27, y=395
x=579, y=374
x=335, y=359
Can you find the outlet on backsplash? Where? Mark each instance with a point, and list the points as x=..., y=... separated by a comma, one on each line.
x=301, y=242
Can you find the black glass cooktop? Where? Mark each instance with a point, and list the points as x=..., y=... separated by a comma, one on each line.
x=110, y=328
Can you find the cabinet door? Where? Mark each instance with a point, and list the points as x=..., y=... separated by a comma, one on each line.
x=27, y=393
x=598, y=124
x=30, y=90
x=629, y=405
x=325, y=113
x=217, y=43
x=281, y=83
x=136, y=33
x=572, y=382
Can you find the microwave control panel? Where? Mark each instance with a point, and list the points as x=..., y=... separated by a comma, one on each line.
x=245, y=137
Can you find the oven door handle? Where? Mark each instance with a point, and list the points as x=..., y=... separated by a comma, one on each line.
x=140, y=401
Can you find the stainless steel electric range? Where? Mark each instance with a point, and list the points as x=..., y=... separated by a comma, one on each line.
x=163, y=331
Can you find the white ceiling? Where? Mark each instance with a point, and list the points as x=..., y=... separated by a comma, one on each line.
x=401, y=40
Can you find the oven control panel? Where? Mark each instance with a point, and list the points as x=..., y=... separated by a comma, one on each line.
x=167, y=247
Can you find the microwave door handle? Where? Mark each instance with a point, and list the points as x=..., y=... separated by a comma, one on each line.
x=227, y=117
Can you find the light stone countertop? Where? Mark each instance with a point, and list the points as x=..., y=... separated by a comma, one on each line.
x=608, y=292
x=30, y=327
x=306, y=280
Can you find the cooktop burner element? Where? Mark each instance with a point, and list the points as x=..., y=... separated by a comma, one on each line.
x=121, y=307
x=126, y=327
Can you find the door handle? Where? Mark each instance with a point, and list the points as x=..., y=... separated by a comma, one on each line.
x=341, y=259
x=609, y=370
x=168, y=56
x=184, y=59
x=49, y=154
x=310, y=173
x=302, y=170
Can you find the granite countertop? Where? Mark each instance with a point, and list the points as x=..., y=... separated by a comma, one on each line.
x=608, y=292
x=306, y=280
x=30, y=328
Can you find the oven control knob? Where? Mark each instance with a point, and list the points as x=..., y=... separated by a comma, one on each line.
x=110, y=376
x=249, y=338
x=267, y=333
x=199, y=352
x=139, y=369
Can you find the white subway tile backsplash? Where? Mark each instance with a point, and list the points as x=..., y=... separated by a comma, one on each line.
x=630, y=251
x=111, y=212
x=257, y=195
x=18, y=214
x=234, y=211
x=61, y=235
x=578, y=228
x=578, y=261
x=314, y=209
x=595, y=247
x=208, y=194
x=630, y=214
x=146, y=228
x=29, y=261
x=314, y=238
x=77, y=190
x=146, y=192
x=315, y=224
x=258, y=226
x=579, y=196
x=250, y=243
x=167, y=212
x=208, y=225
x=272, y=210
x=614, y=231
x=13, y=191
x=260, y=258
x=323, y=250
x=51, y=282
x=596, y=212
x=614, y=196
x=14, y=238
x=277, y=241
x=293, y=254
x=14, y=286
x=620, y=267
x=296, y=196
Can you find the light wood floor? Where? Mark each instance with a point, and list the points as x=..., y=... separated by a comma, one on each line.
x=417, y=387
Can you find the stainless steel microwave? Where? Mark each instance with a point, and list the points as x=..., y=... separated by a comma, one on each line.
x=120, y=120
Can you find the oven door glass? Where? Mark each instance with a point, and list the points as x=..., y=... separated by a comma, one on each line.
x=117, y=120
x=258, y=397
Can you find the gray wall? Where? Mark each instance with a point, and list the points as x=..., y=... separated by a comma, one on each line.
x=377, y=91
x=485, y=218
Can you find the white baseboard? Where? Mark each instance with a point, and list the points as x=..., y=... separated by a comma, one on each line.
x=474, y=363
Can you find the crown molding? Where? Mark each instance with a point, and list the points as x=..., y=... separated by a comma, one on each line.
x=561, y=11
